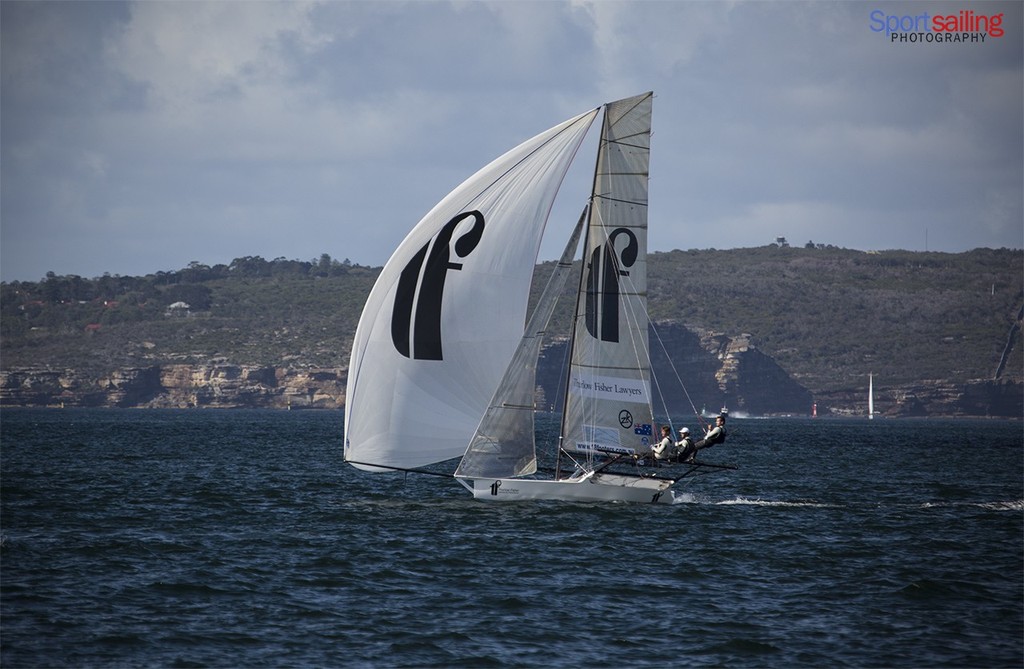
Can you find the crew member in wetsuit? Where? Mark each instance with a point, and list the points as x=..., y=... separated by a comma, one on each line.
x=664, y=450
x=684, y=447
x=715, y=435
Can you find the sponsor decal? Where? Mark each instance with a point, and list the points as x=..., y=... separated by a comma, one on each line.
x=586, y=447
x=496, y=489
x=610, y=388
x=598, y=439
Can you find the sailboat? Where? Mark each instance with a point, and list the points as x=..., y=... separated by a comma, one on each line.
x=871, y=396
x=442, y=365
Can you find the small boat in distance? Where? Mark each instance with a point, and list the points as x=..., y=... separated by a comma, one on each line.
x=724, y=411
x=442, y=366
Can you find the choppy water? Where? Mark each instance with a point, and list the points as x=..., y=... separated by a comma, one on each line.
x=224, y=539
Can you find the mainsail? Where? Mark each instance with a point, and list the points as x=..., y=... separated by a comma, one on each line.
x=608, y=400
x=448, y=309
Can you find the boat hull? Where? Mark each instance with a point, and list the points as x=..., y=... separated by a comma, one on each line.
x=589, y=488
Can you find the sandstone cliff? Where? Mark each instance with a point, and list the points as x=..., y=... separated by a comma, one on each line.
x=695, y=370
x=178, y=386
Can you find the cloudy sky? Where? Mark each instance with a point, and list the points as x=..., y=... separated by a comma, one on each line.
x=139, y=137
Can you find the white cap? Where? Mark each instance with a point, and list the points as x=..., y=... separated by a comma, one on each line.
x=685, y=430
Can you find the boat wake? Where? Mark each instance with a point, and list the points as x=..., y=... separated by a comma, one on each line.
x=744, y=501
x=1011, y=505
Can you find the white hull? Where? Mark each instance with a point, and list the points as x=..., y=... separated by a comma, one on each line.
x=591, y=487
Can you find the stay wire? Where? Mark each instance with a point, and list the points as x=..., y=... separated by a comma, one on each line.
x=700, y=419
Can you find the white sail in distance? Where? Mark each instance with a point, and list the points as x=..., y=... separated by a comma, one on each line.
x=871, y=396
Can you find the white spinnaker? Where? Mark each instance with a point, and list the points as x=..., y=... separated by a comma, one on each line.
x=402, y=411
x=608, y=400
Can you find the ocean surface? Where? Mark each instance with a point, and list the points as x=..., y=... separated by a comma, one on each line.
x=240, y=539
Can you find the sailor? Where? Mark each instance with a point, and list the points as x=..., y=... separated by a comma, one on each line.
x=684, y=447
x=715, y=435
x=665, y=449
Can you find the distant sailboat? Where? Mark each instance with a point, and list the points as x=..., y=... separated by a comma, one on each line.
x=871, y=396
x=441, y=364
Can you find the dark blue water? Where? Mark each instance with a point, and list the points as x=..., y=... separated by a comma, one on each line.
x=225, y=539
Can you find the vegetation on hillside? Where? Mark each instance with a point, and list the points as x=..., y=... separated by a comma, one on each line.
x=253, y=311
x=828, y=316
x=831, y=316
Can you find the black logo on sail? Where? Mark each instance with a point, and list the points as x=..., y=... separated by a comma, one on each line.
x=604, y=270
x=421, y=285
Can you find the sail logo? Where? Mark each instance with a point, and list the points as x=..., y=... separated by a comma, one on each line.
x=496, y=489
x=416, y=315
x=963, y=26
x=603, y=275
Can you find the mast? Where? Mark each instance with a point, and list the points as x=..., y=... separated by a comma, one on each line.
x=606, y=406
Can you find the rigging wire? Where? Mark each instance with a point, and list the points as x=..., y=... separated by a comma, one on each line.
x=700, y=419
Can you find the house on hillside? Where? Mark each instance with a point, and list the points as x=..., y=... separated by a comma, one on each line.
x=178, y=309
